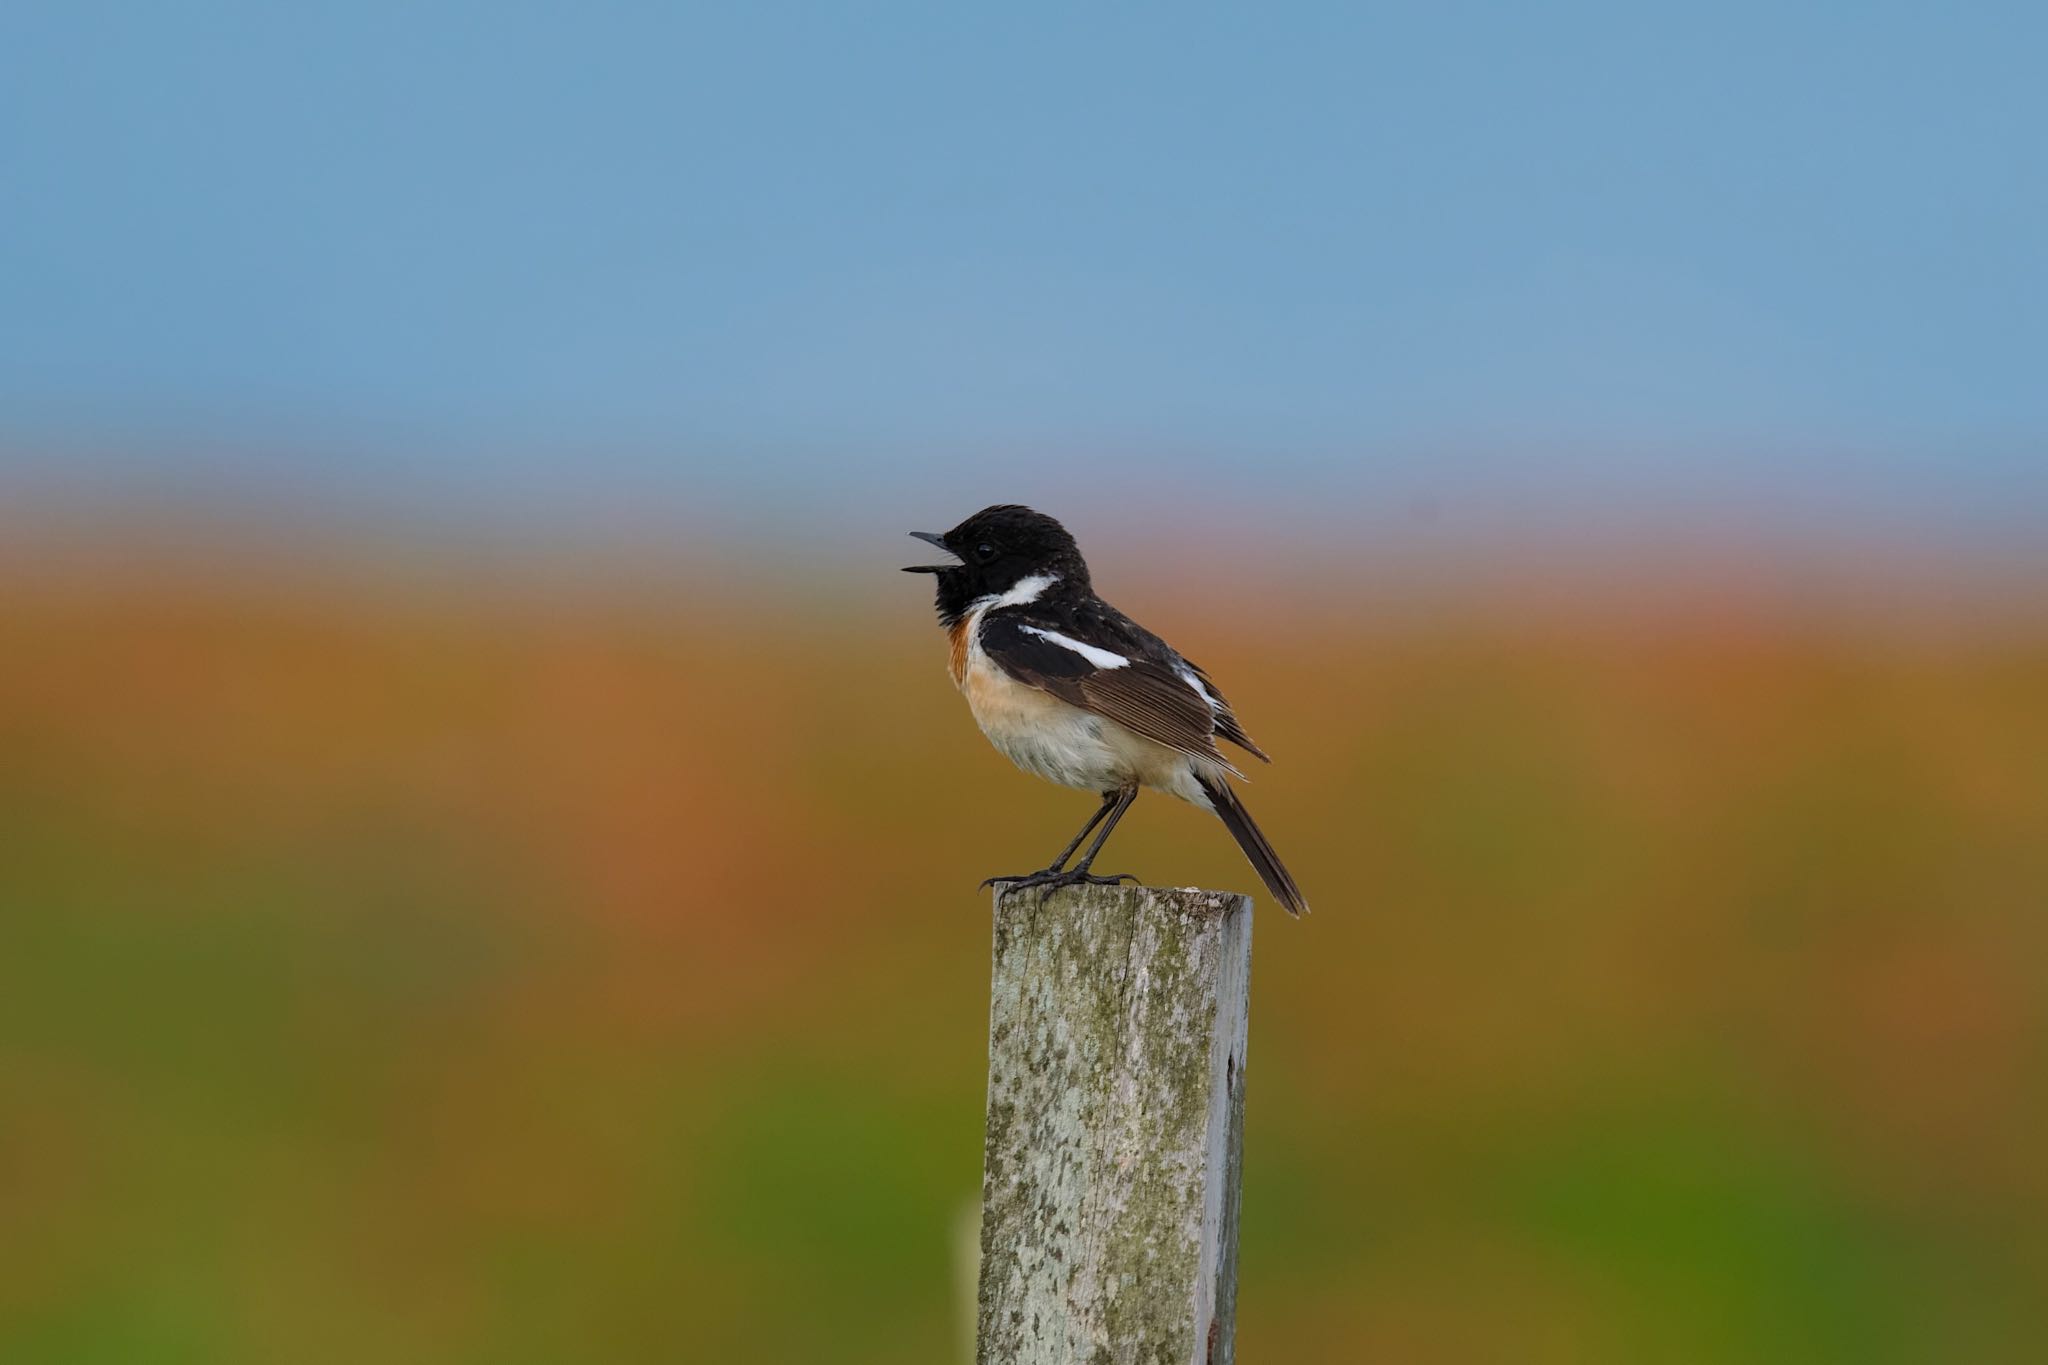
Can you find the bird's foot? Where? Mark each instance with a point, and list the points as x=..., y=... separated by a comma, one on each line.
x=1052, y=879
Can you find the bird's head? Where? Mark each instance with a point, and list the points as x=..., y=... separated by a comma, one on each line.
x=1000, y=551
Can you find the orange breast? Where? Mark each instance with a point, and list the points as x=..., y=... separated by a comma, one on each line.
x=959, y=635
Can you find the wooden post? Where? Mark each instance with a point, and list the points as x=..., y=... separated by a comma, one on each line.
x=1109, y=1188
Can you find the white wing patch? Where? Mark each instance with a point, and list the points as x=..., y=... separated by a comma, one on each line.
x=1101, y=658
x=1187, y=675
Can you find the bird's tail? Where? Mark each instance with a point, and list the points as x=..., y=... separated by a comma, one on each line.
x=1223, y=797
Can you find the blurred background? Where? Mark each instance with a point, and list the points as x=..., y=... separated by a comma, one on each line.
x=487, y=845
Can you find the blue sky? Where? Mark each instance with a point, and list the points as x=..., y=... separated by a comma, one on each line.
x=657, y=253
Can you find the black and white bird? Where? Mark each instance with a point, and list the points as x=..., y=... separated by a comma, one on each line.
x=1070, y=688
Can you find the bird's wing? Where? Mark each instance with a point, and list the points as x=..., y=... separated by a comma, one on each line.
x=1144, y=695
x=1226, y=719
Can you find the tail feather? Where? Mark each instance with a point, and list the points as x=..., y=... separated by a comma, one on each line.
x=1223, y=797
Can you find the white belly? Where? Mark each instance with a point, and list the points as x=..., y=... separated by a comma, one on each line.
x=1063, y=743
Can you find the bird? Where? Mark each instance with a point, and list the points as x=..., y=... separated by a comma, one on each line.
x=1072, y=690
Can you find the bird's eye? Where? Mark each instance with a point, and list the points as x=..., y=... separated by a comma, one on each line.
x=984, y=552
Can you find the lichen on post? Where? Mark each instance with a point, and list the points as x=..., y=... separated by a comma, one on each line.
x=1115, y=1127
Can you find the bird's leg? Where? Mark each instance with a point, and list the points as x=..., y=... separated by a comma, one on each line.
x=1114, y=804
x=1108, y=799
x=1080, y=871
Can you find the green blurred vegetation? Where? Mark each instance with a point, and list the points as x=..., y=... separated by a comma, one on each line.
x=601, y=978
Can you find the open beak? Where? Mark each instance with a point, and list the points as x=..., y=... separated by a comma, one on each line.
x=933, y=538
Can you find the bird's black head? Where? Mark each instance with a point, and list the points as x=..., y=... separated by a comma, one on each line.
x=998, y=548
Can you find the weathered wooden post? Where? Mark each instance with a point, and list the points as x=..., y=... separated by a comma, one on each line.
x=1109, y=1185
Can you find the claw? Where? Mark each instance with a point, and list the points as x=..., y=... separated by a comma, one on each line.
x=1050, y=881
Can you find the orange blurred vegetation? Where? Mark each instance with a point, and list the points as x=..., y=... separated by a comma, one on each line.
x=493, y=976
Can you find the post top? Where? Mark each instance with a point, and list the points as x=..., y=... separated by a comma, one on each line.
x=1186, y=900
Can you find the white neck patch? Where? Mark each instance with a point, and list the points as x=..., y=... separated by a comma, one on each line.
x=1023, y=592
x=1027, y=590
